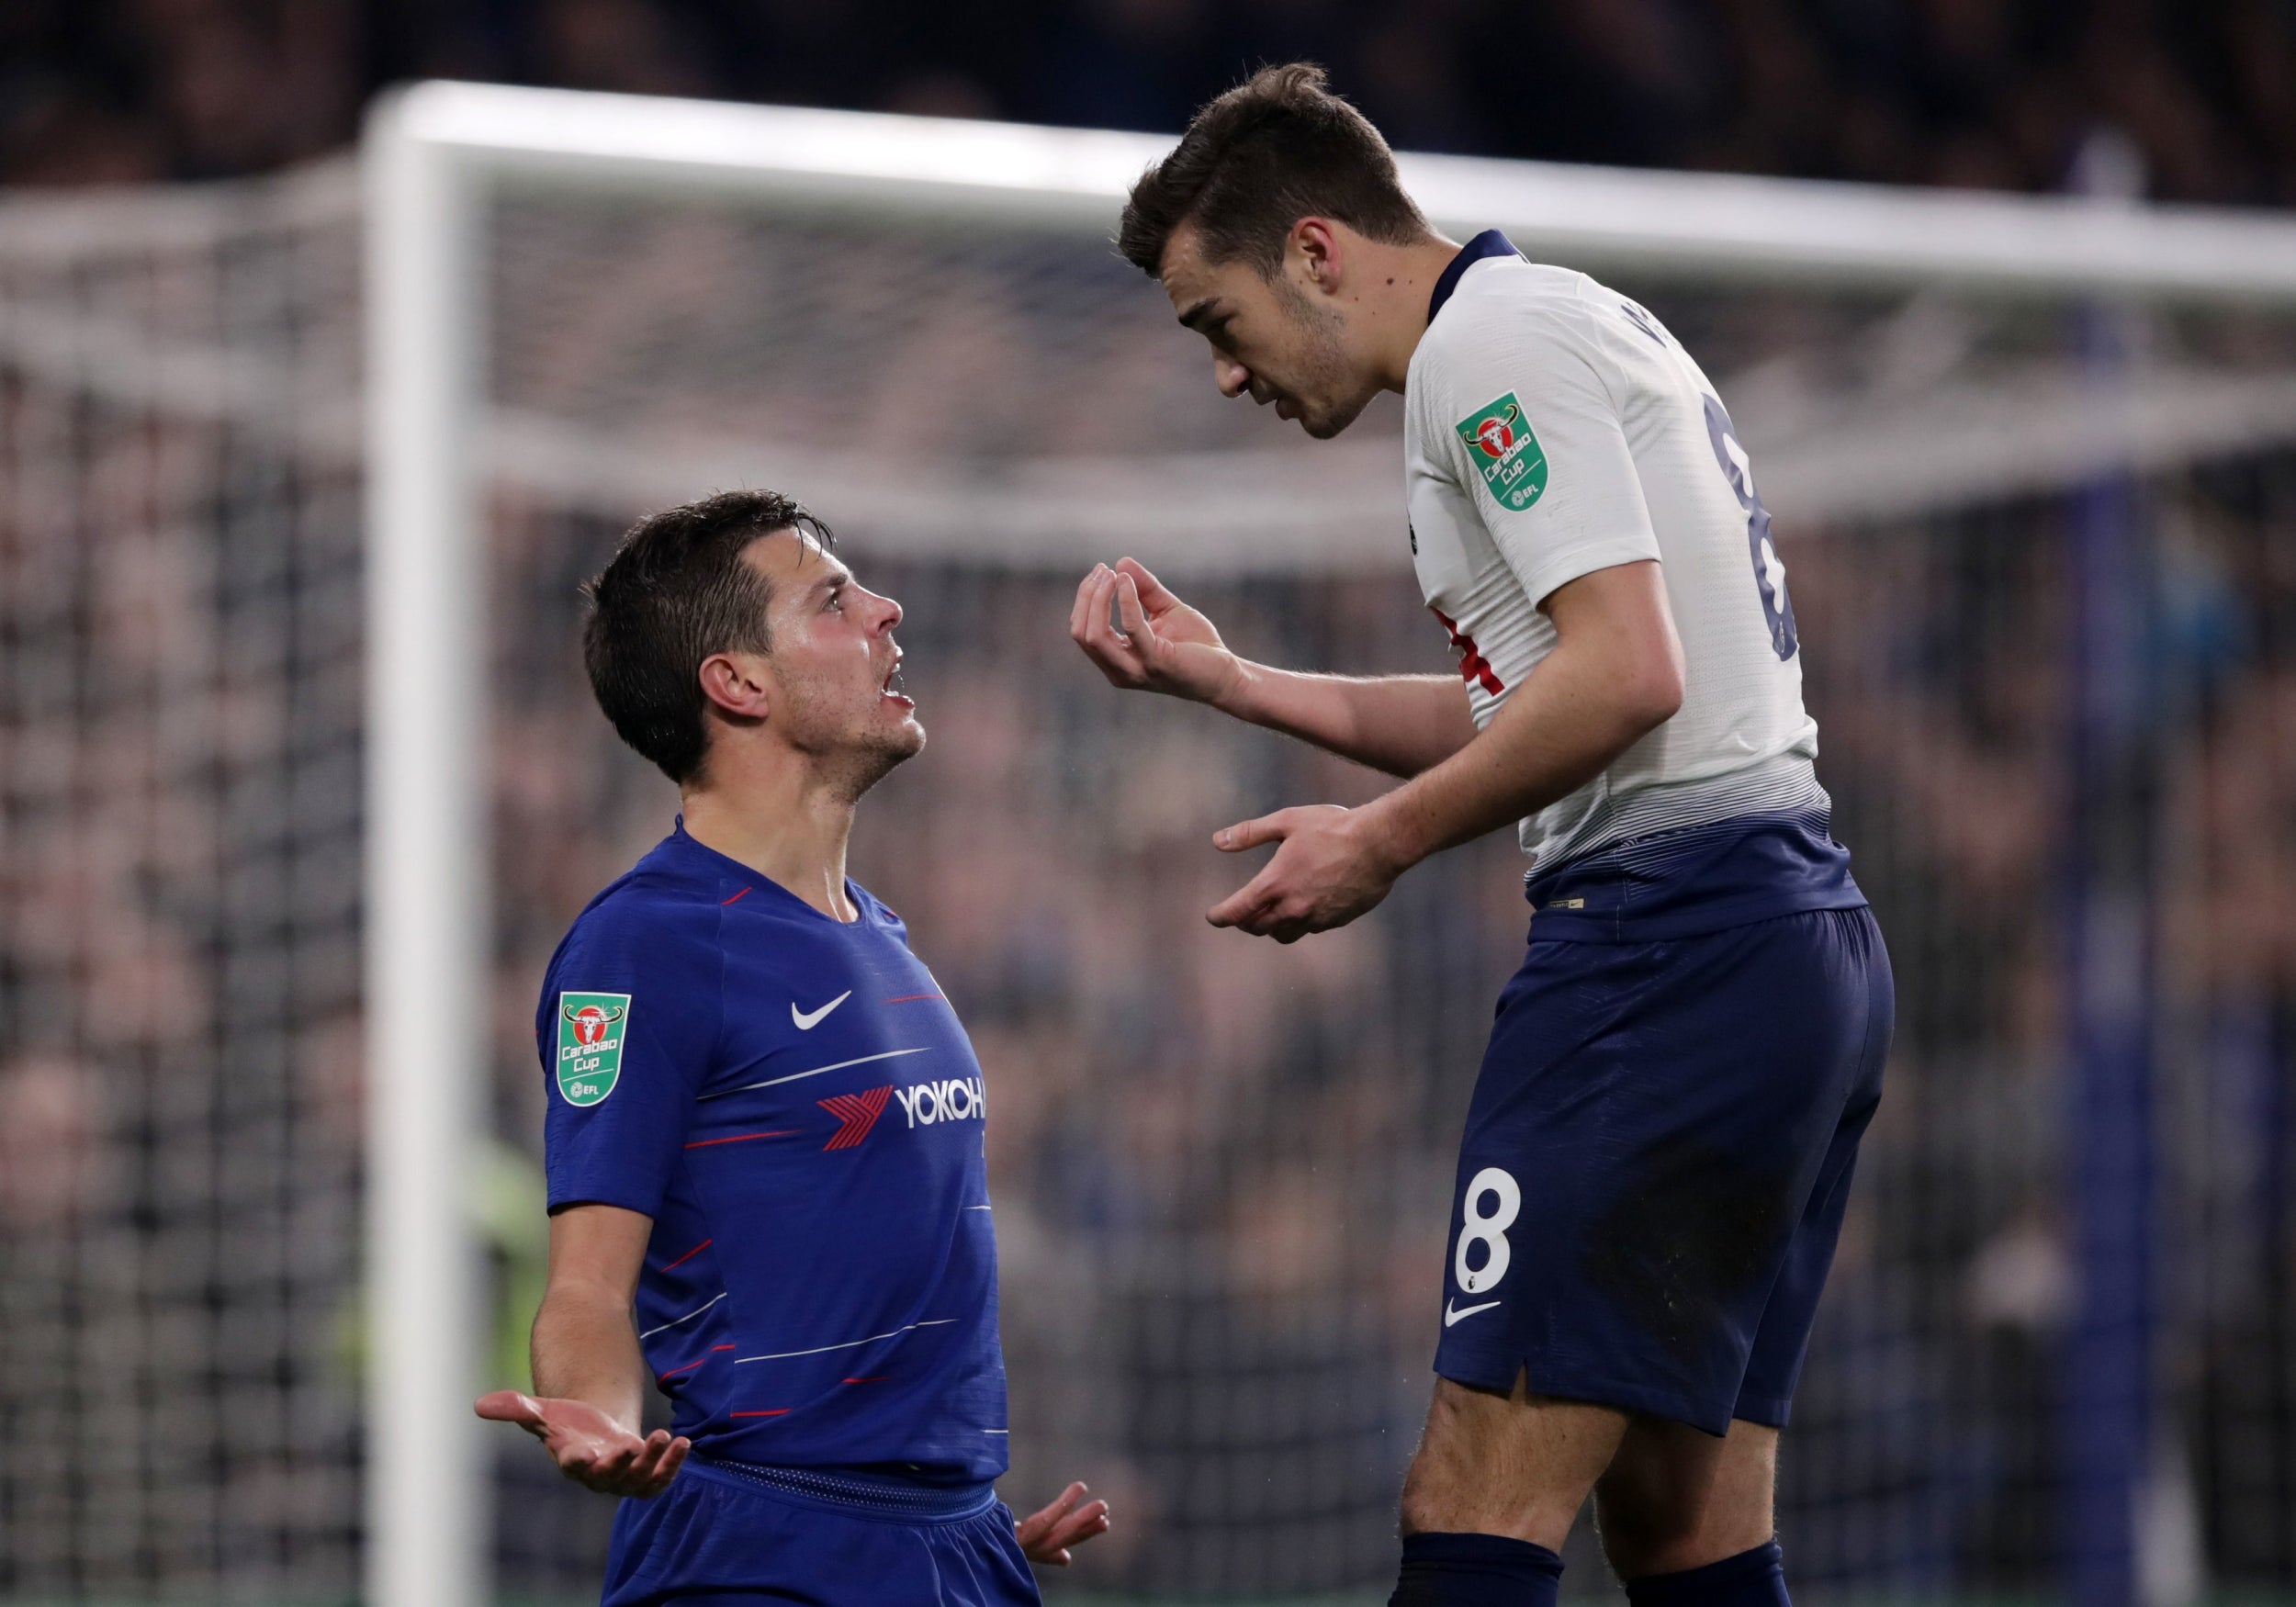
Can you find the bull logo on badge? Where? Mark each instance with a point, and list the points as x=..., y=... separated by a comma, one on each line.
x=1495, y=434
x=591, y=1032
x=591, y=1024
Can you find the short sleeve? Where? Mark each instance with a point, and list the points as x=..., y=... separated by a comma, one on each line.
x=627, y=1023
x=1531, y=428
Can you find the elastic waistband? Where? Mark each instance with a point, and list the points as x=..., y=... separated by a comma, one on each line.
x=858, y=1492
x=1695, y=880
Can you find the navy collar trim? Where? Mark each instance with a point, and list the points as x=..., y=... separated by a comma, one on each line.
x=729, y=871
x=1488, y=244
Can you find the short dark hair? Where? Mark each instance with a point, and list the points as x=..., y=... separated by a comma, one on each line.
x=1277, y=148
x=675, y=592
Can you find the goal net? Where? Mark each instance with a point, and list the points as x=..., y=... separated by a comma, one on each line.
x=2038, y=511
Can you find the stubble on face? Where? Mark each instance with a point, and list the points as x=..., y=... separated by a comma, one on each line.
x=853, y=746
x=1296, y=353
x=1330, y=398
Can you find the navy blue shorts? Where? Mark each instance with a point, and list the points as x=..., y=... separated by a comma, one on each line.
x=1655, y=1162
x=733, y=1536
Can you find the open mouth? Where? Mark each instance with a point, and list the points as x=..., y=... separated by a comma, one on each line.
x=891, y=687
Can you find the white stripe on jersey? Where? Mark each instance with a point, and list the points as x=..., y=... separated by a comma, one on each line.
x=1609, y=446
x=782, y=1355
x=890, y=1054
x=686, y=1318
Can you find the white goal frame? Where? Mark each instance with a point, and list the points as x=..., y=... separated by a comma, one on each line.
x=433, y=153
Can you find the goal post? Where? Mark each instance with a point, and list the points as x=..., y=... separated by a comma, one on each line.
x=437, y=156
x=427, y=915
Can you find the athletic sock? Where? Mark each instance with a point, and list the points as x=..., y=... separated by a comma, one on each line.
x=1474, y=1570
x=1751, y=1578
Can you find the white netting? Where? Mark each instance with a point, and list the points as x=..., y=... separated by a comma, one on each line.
x=1222, y=1167
x=179, y=734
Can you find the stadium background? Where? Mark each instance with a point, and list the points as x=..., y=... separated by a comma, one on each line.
x=1220, y=1168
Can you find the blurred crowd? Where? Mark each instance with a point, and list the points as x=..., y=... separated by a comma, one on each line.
x=1221, y=1166
x=1985, y=93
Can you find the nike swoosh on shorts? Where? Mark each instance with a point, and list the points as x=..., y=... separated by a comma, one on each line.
x=1450, y=1315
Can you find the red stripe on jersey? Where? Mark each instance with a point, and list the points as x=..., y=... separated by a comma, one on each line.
x=665, y=1378
x=742, y=1137
x=777, y=1411
x=736, y=898
x=911, y=998
x=690, y=1254
x=878, y=1380
x=1474, y=666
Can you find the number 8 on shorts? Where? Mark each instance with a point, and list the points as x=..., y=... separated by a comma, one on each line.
x=1490, y=1231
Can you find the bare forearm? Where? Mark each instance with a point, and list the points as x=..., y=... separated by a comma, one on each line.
x=1615, y=674
x=1563, y=728
x=1400, y=723
x=584, y=1348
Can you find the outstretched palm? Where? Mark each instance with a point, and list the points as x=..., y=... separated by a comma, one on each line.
x=590, y=1445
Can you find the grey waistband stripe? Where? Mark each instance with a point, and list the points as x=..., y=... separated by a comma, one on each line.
x=1780, y=785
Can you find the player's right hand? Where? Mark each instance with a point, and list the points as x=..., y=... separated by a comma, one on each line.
x=1155, y=642
x=589, y=1445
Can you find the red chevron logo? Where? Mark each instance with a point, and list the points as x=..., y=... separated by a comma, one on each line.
x=859, y=1112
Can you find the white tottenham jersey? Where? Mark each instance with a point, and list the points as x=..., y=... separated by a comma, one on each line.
x=1554, y=428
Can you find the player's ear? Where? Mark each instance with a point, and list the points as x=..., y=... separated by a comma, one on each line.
x=1314, y=245
x=736, y=683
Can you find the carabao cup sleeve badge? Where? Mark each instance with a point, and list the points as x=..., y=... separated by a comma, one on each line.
x=1505, y=453
x=589, y=1044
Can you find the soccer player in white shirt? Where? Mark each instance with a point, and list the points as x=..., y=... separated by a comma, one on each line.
x=1660, y=1145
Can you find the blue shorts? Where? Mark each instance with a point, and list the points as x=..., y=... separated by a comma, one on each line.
x=733, y=1536
x=1656, y=1162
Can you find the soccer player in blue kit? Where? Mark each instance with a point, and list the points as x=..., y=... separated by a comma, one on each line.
x=765, y=1124
x=1659, y=1144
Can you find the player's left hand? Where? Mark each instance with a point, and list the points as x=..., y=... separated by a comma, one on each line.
x=1046, y=1536
x=1329, y=871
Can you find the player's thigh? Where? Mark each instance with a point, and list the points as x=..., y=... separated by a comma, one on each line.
x=1516, y=1464
x=1782, y=1337
x=1676, y=1498
x=1645, y=1129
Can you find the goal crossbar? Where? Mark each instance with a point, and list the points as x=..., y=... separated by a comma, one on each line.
x=433, y=153
x=1007, y=174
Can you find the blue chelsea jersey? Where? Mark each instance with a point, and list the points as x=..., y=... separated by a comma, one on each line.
x=796, y=1106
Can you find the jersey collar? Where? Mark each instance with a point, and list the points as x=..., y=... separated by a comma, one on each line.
x=723, y=871
x=1488, y=244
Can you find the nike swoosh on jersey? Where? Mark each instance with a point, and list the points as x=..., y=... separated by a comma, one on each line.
x=1451, y=1316
x=808, y=1019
